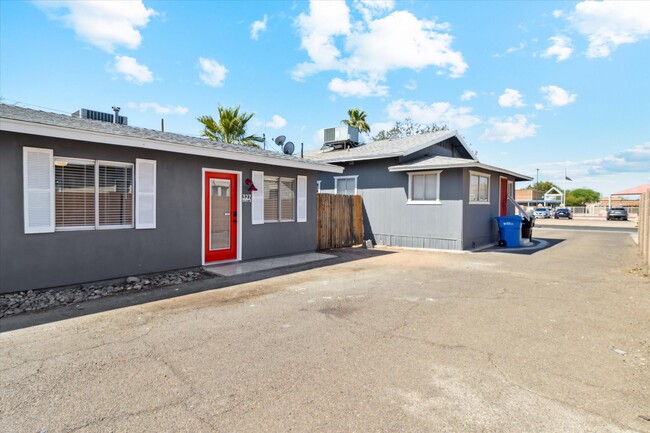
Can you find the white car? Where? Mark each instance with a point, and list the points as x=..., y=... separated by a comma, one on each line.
x=542, y=212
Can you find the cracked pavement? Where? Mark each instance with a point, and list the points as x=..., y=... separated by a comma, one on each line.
x=383, y=340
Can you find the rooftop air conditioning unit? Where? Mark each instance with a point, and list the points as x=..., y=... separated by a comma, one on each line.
x=341, y=137
x=98, y=115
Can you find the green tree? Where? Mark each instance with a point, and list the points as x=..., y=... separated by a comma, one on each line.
x=543, y=186
x=357, y=119
x=406, y=128
x=582, y=196
x=230, y=127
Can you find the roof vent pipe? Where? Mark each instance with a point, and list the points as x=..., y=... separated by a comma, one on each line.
x=117, y=113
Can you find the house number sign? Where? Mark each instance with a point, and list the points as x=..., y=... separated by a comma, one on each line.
x=247, y=198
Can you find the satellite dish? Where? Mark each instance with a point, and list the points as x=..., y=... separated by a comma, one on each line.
x=280, y=140
x=288, y=148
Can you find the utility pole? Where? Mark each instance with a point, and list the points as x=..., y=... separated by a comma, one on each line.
x=537, y=175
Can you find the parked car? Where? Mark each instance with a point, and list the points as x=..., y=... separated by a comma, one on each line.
x=618, y=213
x=542, y=212
x=563, y=213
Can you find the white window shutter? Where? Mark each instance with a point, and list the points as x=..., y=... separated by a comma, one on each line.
x=257, y=205
x=38, y=190
x=145, y=194
x=302, y=199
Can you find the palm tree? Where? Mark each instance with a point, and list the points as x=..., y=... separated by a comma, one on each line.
x=230, y=128
x=357, y=120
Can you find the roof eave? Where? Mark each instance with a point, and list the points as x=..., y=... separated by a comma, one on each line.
x=517, y=176
x=20, y=126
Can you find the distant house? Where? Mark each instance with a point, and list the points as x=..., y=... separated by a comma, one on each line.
x=85, y=200
x=426, y=191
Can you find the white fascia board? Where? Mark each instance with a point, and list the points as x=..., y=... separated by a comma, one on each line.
x=518, y=176
x=363, y=158
x=12, y=125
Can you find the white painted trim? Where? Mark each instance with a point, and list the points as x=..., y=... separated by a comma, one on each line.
x=481, y=174
x=51, y=227
x=147, y=143
x=318, y=186
x=204, y=170
x=301, y=202
x=410, y=188
x=336, y=178
x=136, y=175
x=257, y=198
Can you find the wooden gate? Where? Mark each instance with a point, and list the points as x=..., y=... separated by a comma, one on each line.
x=339, y=221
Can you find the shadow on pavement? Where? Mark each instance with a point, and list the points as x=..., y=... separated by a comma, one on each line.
x=129, y=299
x=539, y=244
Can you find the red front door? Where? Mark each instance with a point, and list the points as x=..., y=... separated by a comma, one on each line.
x=220, y=203
x=503, y=202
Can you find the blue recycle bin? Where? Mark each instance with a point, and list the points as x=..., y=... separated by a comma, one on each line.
x=510, y=230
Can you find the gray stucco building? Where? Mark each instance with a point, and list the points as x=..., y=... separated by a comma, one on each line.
x=423, y=191
x=84, y=200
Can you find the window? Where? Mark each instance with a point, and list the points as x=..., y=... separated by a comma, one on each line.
x=61, y=193
x=424, y=187
x=346, y=185
x=93, y=194
x=279, y=199
x=479, y=188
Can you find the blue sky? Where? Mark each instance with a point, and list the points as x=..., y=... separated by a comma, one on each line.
x=533, y=85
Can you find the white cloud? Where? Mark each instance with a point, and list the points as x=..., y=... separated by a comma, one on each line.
x=632, y=160
x=511, y=50
x=539, y=106
x=132, y=71
x=635, y=159
x=511, y=98
x=557, y=96
x=159, y=109
x=561, y=48
x=358, y=88
x=512, y=128
x=213, y=73
x=317, y=31
x=441, y=113
x=608, y=24
x=557, y=13
x=410, y=85
x=104, y=24
x=371, y=48
x=276, y=122
x=370, y=8
x=257, y=27
x=467, y=95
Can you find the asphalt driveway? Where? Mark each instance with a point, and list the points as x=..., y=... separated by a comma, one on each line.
x=413, y=341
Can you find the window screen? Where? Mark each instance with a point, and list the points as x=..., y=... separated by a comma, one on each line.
x=115, y=195
x=346, y=186
x=271, y=198
x=424, y=187
x=75, y=193
x=287, y=199
x=479, y=189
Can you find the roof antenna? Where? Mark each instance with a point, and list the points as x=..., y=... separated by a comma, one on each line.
x=117, y=113
x=162, y=124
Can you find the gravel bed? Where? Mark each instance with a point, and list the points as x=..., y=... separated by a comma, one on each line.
x=33, y=300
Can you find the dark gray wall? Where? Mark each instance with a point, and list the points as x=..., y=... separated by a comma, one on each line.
x=388, y=220
x=479, y=225
x=61, y=258
x=448, y=148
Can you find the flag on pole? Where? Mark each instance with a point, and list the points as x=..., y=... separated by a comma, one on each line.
x=567, y=177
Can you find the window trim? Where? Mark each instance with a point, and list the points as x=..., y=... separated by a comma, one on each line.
x=479, y=174
x=96, y=163
x=412, y=174
x=336, y=183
